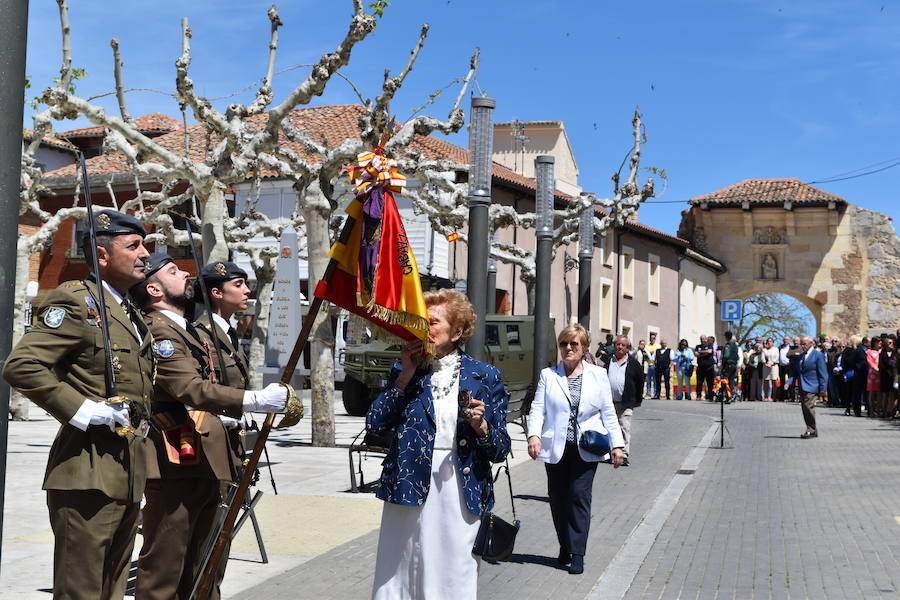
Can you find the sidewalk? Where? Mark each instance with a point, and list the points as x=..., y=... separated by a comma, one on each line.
x=774, y=517
x=312, y=514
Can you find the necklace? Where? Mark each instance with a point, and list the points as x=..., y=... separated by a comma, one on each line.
x=441, y=391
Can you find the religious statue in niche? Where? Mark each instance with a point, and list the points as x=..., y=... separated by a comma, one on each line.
x=769, y=235
x=769, y=266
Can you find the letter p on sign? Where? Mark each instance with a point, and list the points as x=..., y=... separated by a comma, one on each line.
x=732, y=310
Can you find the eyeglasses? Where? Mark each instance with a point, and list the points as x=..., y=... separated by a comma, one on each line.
x=573, y=343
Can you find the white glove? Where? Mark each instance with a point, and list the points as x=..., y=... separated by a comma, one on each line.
x=230, y=423
x=110, y=415
x=270, y=399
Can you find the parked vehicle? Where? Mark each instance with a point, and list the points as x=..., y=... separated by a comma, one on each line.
x=509, y=343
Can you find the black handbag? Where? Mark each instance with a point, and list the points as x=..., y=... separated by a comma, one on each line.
x=496, y=537
x=595, y=442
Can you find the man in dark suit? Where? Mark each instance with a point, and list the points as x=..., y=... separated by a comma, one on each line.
x=860, y=366
x=663, y=360
x=811, y=378
x=626, y=380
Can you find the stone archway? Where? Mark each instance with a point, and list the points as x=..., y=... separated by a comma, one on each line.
x=785, y=236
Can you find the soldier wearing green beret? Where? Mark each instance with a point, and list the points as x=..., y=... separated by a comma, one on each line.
x=184, y=488
x=95, y=477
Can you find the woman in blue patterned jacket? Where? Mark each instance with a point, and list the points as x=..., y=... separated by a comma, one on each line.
x=449, y=422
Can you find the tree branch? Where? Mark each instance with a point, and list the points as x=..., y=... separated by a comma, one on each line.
x=117, y=72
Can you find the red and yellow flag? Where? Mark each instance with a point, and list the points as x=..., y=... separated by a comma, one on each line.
x=376, y=276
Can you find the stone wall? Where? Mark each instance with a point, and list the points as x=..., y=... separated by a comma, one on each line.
x=878, y=242
x=843, y=263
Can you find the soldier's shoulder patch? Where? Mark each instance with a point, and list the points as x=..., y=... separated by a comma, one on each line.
x=54, y=317
x=75, y=283
x=163, y=348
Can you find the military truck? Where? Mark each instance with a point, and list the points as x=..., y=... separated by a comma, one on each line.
x=508, y=344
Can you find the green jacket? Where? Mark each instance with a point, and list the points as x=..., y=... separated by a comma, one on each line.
x=60, y=363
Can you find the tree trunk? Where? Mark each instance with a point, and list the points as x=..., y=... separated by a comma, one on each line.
x=529, y=295
x=265, y=282
x=212, y=229
x=18, y=404
x=316, y=210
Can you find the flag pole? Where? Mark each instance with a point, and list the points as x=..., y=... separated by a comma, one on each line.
x=204, y=584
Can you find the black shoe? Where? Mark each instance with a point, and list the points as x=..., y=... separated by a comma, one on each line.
x=577, y=566
x=808, y=434
x=564, y=558
x=625, y=462
x=846, y=413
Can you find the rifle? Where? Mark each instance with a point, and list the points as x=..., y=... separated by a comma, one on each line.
x=112, y=394
x=204, y=292
x=205, y=581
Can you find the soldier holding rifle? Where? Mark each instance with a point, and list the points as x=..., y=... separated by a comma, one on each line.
x=87, y=362
x=184, y=489
x=228, y=293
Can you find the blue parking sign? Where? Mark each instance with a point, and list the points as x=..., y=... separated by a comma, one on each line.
x=732, y=310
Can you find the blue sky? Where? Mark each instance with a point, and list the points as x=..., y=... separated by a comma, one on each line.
x=728, y=89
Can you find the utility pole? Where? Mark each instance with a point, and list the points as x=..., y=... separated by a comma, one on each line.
x=13, y=41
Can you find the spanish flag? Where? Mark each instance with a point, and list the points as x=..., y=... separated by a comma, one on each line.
x=376, y=276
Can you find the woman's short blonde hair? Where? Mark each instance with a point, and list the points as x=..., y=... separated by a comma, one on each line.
x=575, y=330
x=459, y=310
x=855, y=340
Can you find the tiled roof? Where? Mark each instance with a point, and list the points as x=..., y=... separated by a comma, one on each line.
x=150, y=123
x=532, y=123
x=47, y=140
x=329, y=125
x=761, y=192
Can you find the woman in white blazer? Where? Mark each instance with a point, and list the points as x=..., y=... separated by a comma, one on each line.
x=572, y=397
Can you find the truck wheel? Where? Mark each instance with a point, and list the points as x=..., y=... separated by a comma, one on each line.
x=356, y=397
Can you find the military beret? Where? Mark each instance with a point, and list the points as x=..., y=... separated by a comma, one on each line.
x=155, y=262
x=113, y=222
x=218, y=272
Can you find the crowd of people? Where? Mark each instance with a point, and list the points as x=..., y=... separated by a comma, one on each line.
x=862, y=374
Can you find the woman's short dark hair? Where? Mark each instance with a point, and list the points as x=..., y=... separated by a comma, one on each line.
x=460, y=313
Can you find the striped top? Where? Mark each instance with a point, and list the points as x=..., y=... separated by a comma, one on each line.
x=575, y=393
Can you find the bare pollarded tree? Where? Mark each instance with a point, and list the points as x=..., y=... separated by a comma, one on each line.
x=314, y=173
x=238, y=144
x=444, y=203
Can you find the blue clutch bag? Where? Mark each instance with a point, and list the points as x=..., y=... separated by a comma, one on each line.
x=595, y=442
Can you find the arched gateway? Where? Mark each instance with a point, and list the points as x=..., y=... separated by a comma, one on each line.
x=782, y=235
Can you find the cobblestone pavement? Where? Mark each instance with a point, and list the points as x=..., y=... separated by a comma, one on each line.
x=773, y=517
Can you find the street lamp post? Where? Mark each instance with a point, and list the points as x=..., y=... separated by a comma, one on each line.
x=481, y=151
x=546, y=186
x=13, y=29
x=585, y=255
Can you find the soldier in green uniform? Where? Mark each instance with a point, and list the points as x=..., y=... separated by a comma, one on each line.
x=226, y=284
x=95, y=477
x=183, y=489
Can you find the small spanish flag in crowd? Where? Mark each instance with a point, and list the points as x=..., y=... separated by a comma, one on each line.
x=452, y=237
x=376, y=276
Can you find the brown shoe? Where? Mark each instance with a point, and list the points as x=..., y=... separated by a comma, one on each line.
x=808, y=434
